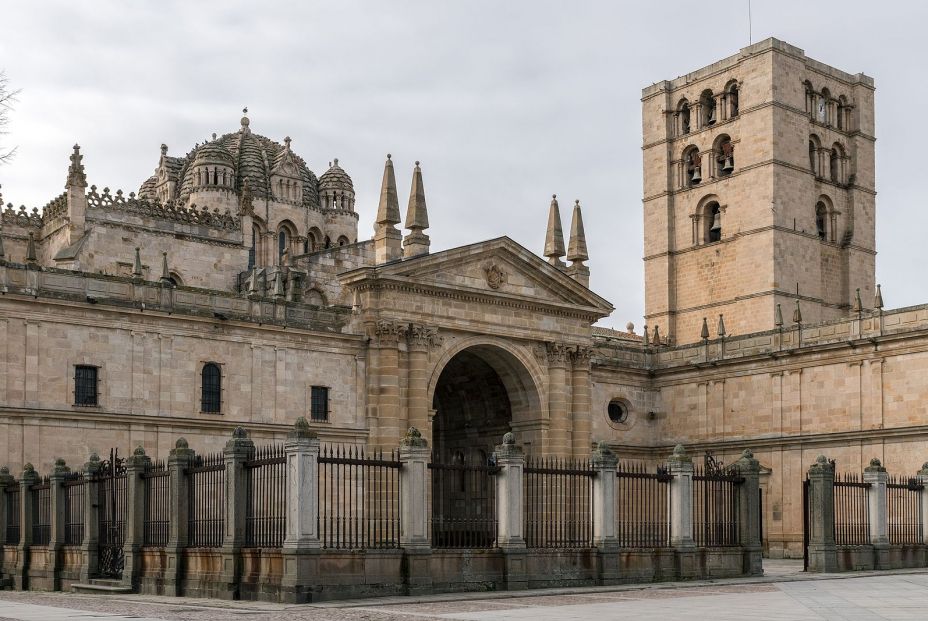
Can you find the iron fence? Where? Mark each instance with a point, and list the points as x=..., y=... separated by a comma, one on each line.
x=852, y=515
x=74, y=509
x=13, y=496
x=904, y=511
x=41, y=499
x=156, y=520
x=642, y=506
x=716, y=494
x=113, y=514
x=266, y=505
x=359, y=506
x=558, y=503
x=206, y=489
x=463, y=505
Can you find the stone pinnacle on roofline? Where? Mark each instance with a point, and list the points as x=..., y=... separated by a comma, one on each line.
x=554, y=236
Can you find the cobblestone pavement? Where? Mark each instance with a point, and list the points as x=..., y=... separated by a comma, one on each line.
x=888, y=596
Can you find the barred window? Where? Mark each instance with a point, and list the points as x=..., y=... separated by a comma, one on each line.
x=85, y=385
x=319, y=403
x=211, y=397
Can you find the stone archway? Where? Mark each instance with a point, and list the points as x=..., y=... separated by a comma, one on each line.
x=478, y=393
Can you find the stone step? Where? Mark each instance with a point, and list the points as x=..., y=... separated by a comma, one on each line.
x=101, y=587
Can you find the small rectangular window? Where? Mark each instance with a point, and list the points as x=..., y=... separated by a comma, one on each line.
x=319, y=403
x=85, y=385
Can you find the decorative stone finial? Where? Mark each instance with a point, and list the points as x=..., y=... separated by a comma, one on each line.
x=646, y=335
x=287, y=142
x=417, y=218
x=704, y=333
x=165, y=272
x=239, y=441
x=239, y=433
x=388, y=211
x=875, y=466
x=554, y=236
x=821, y=459
x=137, y=268
x=656, y=339
x=413, y=438
x=4, y=470
x=778, y=317
x=576, y=248
x=878, y=299
x=679, y=451
x=858, y=303
x=509, y=439
x=747, y=454
x=679, y=455
x=630, y=327
x=181, y=443
x=60, y=466
x=301, y=430
x=164, y=149
x=139, y=451
x=28, y=468
x=797, y=314
x=76, y=176
x=721, y=329
x=246, y=205
x=923, y=472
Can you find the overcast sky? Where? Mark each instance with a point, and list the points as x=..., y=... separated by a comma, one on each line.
x=504, y=103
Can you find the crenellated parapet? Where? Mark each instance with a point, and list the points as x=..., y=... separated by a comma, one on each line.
x=170, y=210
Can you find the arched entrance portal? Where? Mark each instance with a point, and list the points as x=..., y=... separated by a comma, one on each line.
x=482, y=392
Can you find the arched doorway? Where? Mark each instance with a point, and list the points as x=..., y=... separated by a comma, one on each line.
x=481, y=392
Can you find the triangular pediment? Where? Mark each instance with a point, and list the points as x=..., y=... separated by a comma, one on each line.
x=497, y=268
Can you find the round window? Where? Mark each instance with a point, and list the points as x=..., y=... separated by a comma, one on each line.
x=618, y=411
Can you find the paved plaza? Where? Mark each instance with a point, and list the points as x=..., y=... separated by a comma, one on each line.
x=782, y=595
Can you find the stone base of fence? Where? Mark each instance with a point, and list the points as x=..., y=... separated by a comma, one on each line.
x=868, y=557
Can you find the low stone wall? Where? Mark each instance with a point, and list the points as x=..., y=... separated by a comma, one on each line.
x=863, y=558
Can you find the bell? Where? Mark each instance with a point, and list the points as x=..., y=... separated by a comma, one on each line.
x=711, y=116
x=716, y=222
x=695, y=177
x=727, y=167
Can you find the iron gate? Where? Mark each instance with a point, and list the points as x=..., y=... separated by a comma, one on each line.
x=113, y=506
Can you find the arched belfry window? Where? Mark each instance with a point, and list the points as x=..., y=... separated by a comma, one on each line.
x=211, y=388
x=281, y=243
x=834, y=165
x=733, y=103
x=692, y=167
x=724, y=156
x=252, y=252
x=684, y=112
x=712, y=221
x=810, y=97
x=821, y=220
x=709, y=113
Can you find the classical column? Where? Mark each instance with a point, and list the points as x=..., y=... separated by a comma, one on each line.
x=875, y=475
x=58, y=518
x=90, y=547
x=581, y=414
x=136, y=465
x=604, y=463
x=390, y=423
x=559, y=419
x=301, y=545
x=510, y=507
x=237, y=451
x=179, y=459
x=419, y=340
x=821, y=515
x=414, y=512
x=749, y=514
x=26, y=518
x=922, y=498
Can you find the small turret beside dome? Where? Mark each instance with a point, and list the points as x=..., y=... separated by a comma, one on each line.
x=336, y=190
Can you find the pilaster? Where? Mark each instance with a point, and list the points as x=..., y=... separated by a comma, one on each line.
x=681, y=513
x=875, y=475
x=558, y=356
x=581, y=402
x=237, y=451
x=302, y=544
x=179, y=459
x=749, y=514
x=510, y=535
x=136, y=465
x=386, y=338
x=414, y=516
x=604, y=463
x=26, y=517
x=821, y=514
x=58, y=518
x=420, y=339
x=90, y=547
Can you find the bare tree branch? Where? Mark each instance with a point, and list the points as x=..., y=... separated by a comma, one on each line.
x=7, y=99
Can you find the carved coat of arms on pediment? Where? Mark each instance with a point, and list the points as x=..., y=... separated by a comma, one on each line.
x=495, y=276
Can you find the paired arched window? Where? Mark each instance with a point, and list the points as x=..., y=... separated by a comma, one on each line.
x=211, y=388
x=709, y=112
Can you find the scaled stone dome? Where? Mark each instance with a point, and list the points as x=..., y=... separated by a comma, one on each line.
x=252, y=157
x=335, y=178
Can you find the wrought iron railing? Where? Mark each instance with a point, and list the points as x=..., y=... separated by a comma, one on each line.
x=463, y=505
x=41, y=499
x=74, y=491
x=156, y=519
x=642, y=506
x=266, y=504
x=206, y=501
x=852, y=514
x=359, y=498
x=13, y=496
x=716, y=497
x=558, y=503
x=904, y=511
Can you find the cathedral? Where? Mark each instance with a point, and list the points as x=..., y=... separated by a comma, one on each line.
x=234, y=289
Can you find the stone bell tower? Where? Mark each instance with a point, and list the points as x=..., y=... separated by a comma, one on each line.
x=758, y=192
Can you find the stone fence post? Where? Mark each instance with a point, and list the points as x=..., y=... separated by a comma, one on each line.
x=237, y=451
x=90, y=548
x=301, y=544
x=875, y=475
x=749, y=514
x=414, y=517
x=136, y=465
x=510, y=507
x=26, y=518
x=921, y=477
x=822, y=552
x=56, y=492
x=179, y=459
x=681, y=513
x=604, y=463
